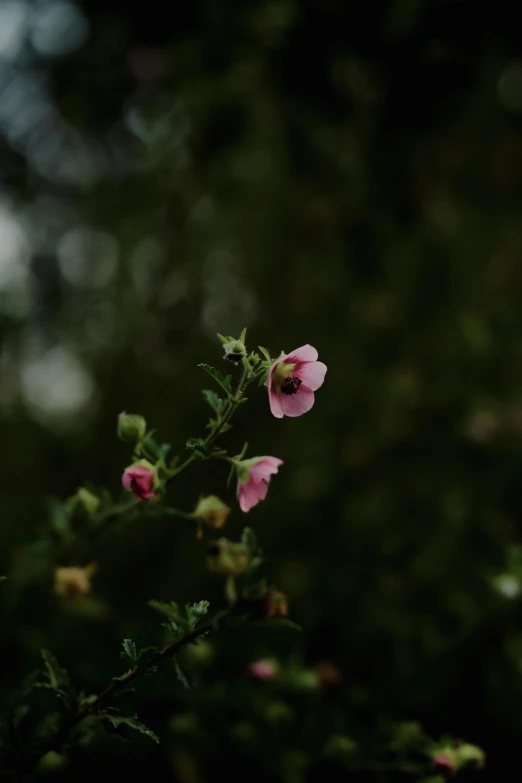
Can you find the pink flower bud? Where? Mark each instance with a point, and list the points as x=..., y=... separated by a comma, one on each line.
x=140, y=480
x=263, y=670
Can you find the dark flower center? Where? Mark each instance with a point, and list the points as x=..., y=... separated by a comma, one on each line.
x=290, y=385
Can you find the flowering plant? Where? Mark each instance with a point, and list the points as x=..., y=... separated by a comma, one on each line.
x=247, y=600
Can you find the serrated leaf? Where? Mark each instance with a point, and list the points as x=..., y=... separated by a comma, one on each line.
x=58, y=677
x=175, y=630
x=213, y=423
x=129, y=650
x=263, y=378
x=212, y=398
x=197, y=445
x=196, y=612
x=225, y=383
x=132, y=722
x=169, y=608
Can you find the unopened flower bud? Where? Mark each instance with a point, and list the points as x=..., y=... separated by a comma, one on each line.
x=86, y=500
x=235, y=351
x=227, y=557
x=140, y=478
x=264, y=670
x=275, y=603
x=72, y=581
x=131, y=427
x=212, y=511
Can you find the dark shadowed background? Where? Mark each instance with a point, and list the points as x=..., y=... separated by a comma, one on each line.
x=340, y=174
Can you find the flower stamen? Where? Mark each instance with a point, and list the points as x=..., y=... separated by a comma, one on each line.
x=291, y=385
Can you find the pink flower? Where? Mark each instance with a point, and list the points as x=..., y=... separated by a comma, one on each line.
x=140, y=480
x=263, y=670
x=253, y=478
x=292, y=381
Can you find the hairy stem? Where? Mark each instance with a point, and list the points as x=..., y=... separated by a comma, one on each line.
x=60, y=738
x=225, y=418
x=114, y=513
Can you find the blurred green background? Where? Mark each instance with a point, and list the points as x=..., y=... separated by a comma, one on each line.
x=344, y=175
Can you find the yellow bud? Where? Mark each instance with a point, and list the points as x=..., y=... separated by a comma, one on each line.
x=227, y=557
x=72, y=581
x=212, y=511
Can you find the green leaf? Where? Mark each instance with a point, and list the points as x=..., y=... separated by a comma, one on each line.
x=129, y=650
x=197, y=445
x=213, y=400
x=169, y=608
x=263, y=378
x=60, y=518
x=222, y=339
x=213, y=423
x=58, y=677
x=196, y=612
x=3, y=578
x=242, y=336
x=225, y=383
x=265, y=354
x=132, y=722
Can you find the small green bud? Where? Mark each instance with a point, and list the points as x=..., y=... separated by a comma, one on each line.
x=227, y=557
x=86, y=499
x=131, y=427
x=235, y=351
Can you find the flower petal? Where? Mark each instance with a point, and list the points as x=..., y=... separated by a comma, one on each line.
x=312, y=374
x=275, y=400
x=299, y=403
x=250, y=494
x=264, y=469
x=126, y=479
x=306, y=353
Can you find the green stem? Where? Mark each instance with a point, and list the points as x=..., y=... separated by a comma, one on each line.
x=60, y=738
x=115, y=512
x=225, y=418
